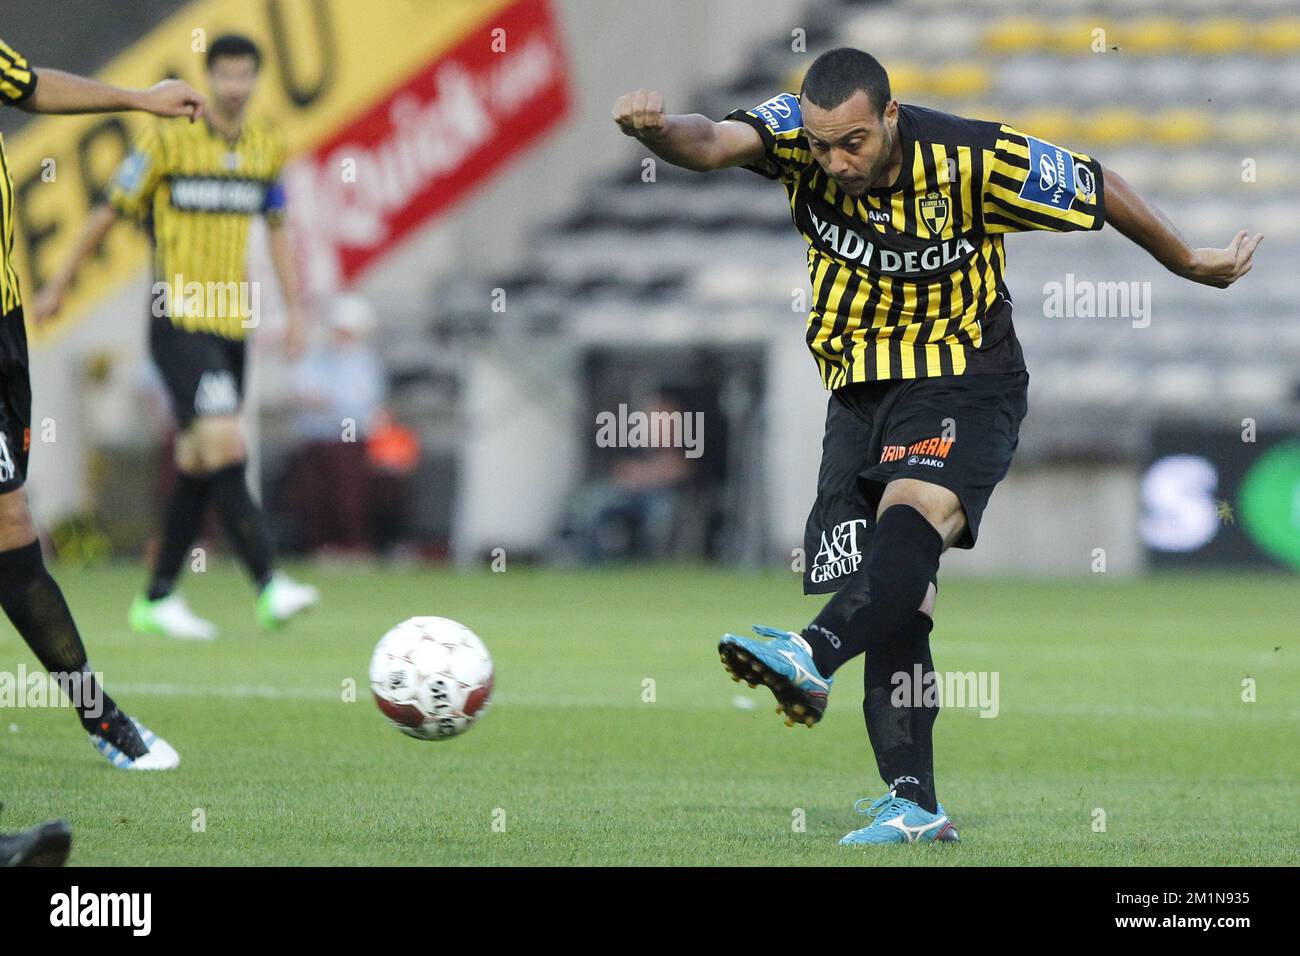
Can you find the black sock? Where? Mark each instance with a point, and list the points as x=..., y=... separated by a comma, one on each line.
x=184, y=521
x=35, y=605
x=243, y=521
x=878, y=600
x=900, y=713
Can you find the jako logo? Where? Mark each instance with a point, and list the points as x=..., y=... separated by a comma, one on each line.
x=103, y=909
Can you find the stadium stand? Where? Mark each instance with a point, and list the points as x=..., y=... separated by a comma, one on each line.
x=1192, y=106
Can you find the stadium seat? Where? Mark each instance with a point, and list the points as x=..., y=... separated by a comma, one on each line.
x=1218, y=36
x=1152, y=35
x=1017, y=35
x=1280, y=37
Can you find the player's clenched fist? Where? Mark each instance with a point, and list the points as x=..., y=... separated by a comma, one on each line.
x=172, y=98
x=640, y=113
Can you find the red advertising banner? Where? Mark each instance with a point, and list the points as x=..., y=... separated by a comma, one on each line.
x=428, y=143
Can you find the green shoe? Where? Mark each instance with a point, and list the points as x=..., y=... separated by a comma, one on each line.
x=169, y=617
x=284, y=598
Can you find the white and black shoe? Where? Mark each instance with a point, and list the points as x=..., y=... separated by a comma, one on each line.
x=129, y=745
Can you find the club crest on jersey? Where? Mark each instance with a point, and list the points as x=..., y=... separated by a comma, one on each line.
x=933, y=210
x=1050, y=180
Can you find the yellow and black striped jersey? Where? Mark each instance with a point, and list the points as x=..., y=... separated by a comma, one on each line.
x=907, y=280
x=17, y=82
x=197, y=194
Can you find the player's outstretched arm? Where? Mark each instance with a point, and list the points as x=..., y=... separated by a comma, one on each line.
x=60, y=92
x=691, y=141
x=1146, y=225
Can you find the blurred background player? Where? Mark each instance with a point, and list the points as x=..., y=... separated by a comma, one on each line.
x=903, y=210
x=195, y=188
x=29, y=596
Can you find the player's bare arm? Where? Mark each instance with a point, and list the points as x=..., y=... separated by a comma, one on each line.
x=690, y=140
x=1146, y=225
x=60, y=92
x=295, y=331
x=49, y=299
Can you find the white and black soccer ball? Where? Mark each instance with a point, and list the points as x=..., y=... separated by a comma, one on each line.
x=431, y=677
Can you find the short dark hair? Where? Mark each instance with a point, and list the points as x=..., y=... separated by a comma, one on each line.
x=837, y=74
x=233, y=44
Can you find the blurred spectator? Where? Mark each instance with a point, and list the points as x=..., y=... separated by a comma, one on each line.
x=632, y=511
x=339, y=392
x=393, y=454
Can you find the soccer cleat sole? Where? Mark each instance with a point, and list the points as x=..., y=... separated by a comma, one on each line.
x=791, y=702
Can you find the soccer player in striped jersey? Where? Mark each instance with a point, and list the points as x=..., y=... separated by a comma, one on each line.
x=903, y=210
x=29, y=595
x=196, y=188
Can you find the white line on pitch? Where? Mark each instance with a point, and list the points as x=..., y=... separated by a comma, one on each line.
x=1152, y=711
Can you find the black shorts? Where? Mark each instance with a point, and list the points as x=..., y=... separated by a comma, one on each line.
x=957, y=431
x=204, y=373
x=15, y=402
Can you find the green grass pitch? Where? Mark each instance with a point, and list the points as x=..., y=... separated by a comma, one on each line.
x=1119, y=697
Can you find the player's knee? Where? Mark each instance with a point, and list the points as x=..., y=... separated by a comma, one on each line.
x=904, y=555
x=219, y=457
x=927, y=603
x=17, y=530
x=938, y=505
x=186, y=455
x=219, y=445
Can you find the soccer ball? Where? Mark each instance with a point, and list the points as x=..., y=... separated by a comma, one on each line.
x=431, y=677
